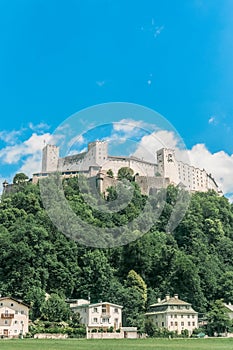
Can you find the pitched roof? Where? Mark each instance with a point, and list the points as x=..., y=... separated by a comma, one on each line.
x=171, y=301
x=14, y=299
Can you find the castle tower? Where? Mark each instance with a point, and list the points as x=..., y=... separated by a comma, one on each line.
x=50, y=156
x=98, y=151
x=167, y=165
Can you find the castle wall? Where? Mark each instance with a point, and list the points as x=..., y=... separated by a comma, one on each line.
x=139, y=167
x=149, y=183
x=95, y=156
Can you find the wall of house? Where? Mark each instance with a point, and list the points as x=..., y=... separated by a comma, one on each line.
x=13, y=318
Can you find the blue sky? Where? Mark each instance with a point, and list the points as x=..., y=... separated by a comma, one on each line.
x=58, y=57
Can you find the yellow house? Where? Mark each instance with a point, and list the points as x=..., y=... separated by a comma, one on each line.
x=174, y=314
x=14, y=316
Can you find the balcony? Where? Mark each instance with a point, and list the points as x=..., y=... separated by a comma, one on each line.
x=7, y=316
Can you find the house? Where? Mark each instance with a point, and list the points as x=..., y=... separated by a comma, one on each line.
x=98, y=315
x=174, y=314
x=14, y=317
x=229, y=310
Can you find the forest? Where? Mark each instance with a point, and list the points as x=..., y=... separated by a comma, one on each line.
x=194, y=261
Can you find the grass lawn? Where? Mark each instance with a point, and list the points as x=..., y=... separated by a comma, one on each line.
x=121, y=344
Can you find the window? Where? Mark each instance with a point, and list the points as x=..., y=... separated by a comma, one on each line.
x=188, y=316
x=193, y=323
x=95, y=309
x=1, y=304
x=176, y=324
x=16, y=312
x=12, y=304
x=175, y=316
x=182, y=316
x=95, y=320
x=15, y=331
x=171, y=316
x=162, y=324
x=6, y=322
x=16, y=322
x=189, y=324
x=116, y=310
x=171, y=323
x=192, y=316
x=182, y=323
x=22, y=312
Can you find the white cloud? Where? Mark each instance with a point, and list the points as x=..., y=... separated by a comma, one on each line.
x=128, y=125
x=158, y=31
x=11, y=137
x=27, y=153
x=101, y=83
x=212, y=120
x=39, y=127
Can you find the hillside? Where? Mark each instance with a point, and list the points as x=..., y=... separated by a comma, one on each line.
x=194, y=261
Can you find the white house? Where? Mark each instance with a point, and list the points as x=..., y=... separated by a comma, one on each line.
x=99, y=315
x=174, y=314
x=14, y=317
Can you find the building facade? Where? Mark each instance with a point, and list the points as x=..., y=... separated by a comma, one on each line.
x=174, y=314
x=165, y=169
x=98, y=315
x=14, y=318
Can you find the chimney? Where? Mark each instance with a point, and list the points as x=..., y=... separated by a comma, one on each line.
x=159, y=300
x=176, y=296
x=167, y=297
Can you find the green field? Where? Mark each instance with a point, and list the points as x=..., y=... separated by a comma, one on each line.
x=128, y=344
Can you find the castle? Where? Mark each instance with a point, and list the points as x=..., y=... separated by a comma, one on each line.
x=96, y=162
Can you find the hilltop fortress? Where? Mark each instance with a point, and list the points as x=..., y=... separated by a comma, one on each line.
x=96, y=162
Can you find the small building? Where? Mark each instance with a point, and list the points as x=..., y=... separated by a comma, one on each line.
x=229, y=310
x=102, y=315
x=14, y=317
x=174, y=314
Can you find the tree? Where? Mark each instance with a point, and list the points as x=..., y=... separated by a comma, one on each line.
x=134, y=300
x=55, y=309
x=110, y=173
x=218, y=318
x=125, y=173
x=20, y=178
x=150, y=327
